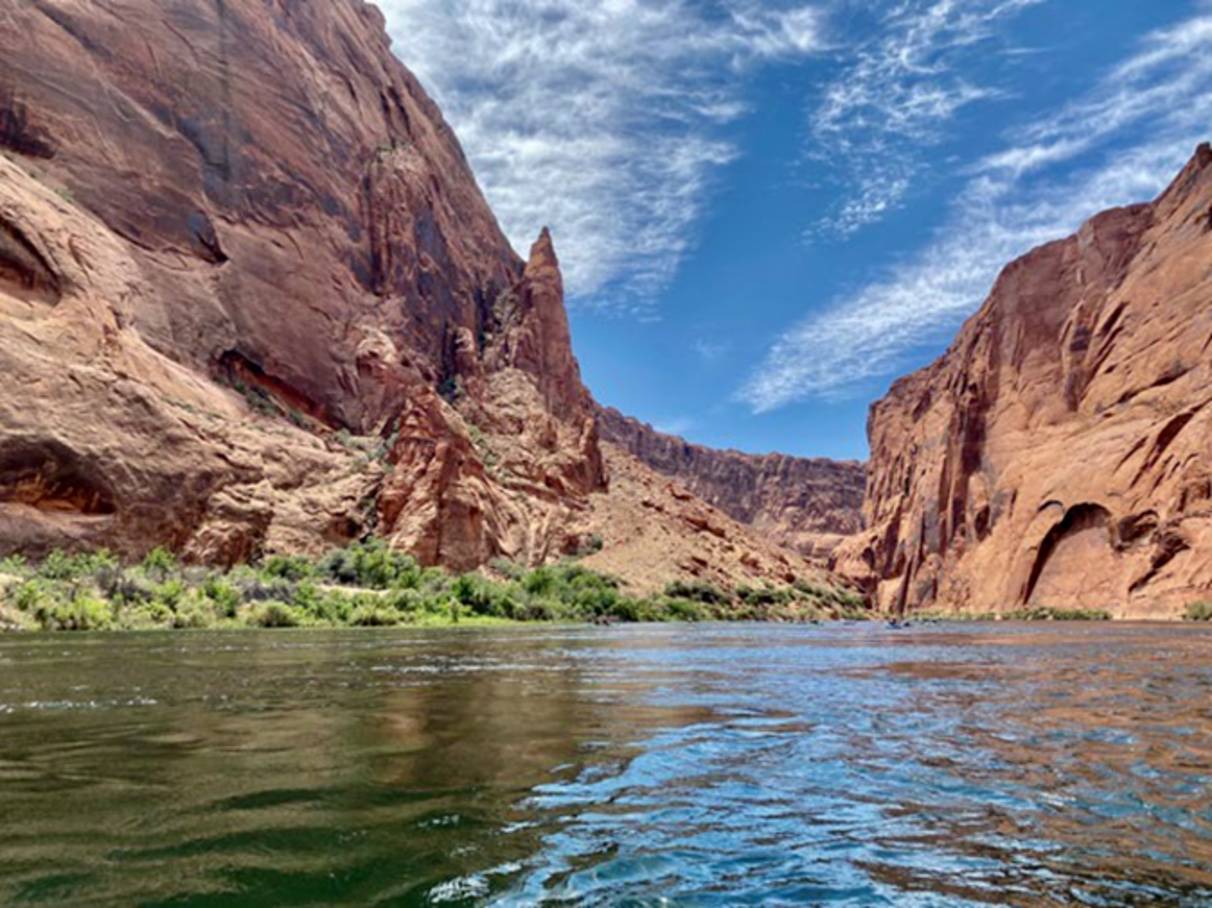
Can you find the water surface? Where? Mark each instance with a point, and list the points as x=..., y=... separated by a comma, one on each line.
x=699, y=765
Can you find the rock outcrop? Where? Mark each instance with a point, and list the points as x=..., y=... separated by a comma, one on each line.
x=252, y=300
x=809, y=505
x=1060, y=452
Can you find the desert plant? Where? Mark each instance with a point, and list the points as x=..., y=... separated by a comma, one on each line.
x=223, y=596
x=684, y=610
x=1199, y=611
x=288, y=567
x=14, y=566
x=697, y=591
x=275, y=615
x=159, y=563
x=82, y=613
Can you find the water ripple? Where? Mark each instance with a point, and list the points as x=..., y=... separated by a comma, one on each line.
x=1020, y=765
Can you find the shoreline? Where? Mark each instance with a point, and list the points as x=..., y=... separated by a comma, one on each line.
x=369, y=585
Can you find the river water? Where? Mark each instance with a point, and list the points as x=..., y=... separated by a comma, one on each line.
x=698, y=765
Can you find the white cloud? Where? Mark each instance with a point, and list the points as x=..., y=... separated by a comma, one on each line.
x=1135, y=128
x=708, y=350
x=896, y=97
x=600, y=119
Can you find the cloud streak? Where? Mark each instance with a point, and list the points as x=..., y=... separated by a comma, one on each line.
x=602, y=120
x=1121, y=143
x=895, y=97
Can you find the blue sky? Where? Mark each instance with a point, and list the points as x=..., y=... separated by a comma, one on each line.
x=767, y=211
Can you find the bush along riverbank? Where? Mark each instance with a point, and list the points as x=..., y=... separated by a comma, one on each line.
x=365, y=585
x=1031, y=613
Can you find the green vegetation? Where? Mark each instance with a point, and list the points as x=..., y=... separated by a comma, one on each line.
x=1050, y=613
x=1031, y=613
x=1199, y=611
x=364, y=585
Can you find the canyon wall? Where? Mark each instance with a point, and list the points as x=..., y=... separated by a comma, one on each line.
x=807, y=504
x=1060, y=452
x=252, y=300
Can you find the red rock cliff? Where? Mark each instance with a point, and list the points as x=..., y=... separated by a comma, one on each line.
x=807, y=504
x=211, y=203
x=1058, y=453
x=252, y=300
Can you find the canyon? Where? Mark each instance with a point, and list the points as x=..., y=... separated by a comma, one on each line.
x=252, y=301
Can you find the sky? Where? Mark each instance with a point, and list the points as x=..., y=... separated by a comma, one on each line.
x=766, y=212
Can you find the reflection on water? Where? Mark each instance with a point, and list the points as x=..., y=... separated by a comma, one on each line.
x=703, y=765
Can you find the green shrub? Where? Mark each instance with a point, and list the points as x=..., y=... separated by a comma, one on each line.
x=145, y=616
x=684, y=610
x=636, y=610
x=276, y=615
x=483, y=597
x=63, y=567
x=57, y=566
x=766, y=595
x=194, y=612
x=323, y=606
x=1049, y=613
x=371, y=564
x=160, y=563
x=591, y=600
x=170, y=594
x=14, y=566
x=224, y=597
x=83, y=613
x=538, y=609
x=1199, y=611
x=260, y=589
x=288, y=567
x=374, y=616
x=697, y=591
x=33, y=595
x=540, y=582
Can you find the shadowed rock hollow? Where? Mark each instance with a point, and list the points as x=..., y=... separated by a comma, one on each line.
x=1058, y=453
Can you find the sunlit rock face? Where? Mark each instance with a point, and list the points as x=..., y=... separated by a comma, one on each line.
x=808, y=504
x=251, y=300
x=1058, y=453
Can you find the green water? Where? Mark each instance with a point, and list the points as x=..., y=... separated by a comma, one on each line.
x=712, y=765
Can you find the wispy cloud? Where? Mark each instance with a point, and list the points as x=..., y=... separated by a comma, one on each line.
x=895, y=98
x=708, y=350
x=1121, y=143
x=600, y=119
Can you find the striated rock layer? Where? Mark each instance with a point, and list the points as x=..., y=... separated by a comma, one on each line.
x=1060, y=452
x=251, y=299
x=806, y=504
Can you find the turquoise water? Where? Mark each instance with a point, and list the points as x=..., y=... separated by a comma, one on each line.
x=698, y=765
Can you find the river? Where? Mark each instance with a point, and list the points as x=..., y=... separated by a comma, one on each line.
x=949, y=764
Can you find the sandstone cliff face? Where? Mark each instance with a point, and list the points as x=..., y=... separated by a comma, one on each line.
x=1058, y=453
x=205, y=205
x=252, y=300
x=809, y=505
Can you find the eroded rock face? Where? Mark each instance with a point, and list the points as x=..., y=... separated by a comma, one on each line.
x=253, y=202
x=252, y=300
x=1058, y=453
x=282, y=184
x=807, y=504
